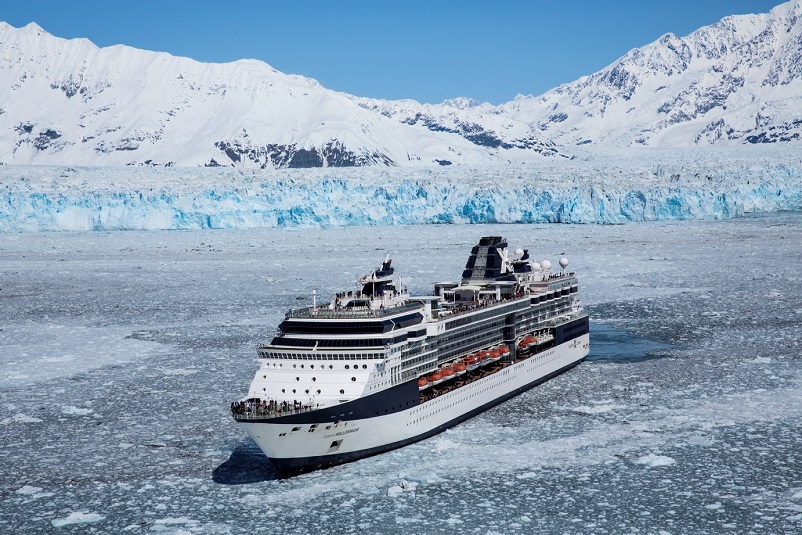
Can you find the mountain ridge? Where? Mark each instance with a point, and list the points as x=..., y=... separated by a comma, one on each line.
x=69, y=102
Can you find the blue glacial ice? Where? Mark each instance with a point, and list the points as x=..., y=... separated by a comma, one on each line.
x=711, y=183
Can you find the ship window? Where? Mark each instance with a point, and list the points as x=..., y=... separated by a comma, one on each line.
x=314, y=378
x=307, y=391
x=282, y=390
x=331, y=367
x=296, y=428
x=347, y=367
x=293, y=391
x=364, y=366
x=264, y=377
x=302, y=366
x=297, y=378
x=294, y=365
x=318, y=391
x=353, y=378
x=342, y=391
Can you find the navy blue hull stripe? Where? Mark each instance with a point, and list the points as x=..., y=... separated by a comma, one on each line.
x=295, y=466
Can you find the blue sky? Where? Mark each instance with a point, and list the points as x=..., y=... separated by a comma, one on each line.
x=424, y=50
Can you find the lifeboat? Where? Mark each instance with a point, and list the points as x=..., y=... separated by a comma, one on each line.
x=423, y=384
x=503, y=350
x=472, y=362
x=447, y=372
x=459, y=367
x=435, y=378
x=494, y=355
x=527, y=343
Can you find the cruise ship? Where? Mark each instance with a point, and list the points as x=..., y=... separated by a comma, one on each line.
x=376, y=368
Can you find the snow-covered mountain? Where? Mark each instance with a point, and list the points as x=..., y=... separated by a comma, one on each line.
x=70, y=102
x=735, y=81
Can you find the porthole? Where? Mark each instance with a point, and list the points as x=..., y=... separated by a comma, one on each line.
x=293, y=391
x=342, y=391
x=312, y=366
x=353, y=378
x=297, y=378
x=307, y=390
x=318, y=391
x=302, y=366
x=314, y=378
x=364, y=366
x=294, y=365
x=347, y=367
x=331, y=367
x=264, y=377
x=282, y=390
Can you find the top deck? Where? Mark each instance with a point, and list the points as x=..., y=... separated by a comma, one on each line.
x=351, y=313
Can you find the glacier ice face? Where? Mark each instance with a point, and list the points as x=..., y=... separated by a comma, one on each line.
x=597, y=187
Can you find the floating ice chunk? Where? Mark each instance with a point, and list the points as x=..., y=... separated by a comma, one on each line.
x=401, y=487
x=761, y=360
x=445, y=445
x=598, y=409
x=28, y=489
x=75, y=411
x=78, y=517
x=714, y=506
x=173, y=521
x=20, y=419
x=653, y=461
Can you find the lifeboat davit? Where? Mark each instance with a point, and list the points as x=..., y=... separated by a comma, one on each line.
x=423, y=384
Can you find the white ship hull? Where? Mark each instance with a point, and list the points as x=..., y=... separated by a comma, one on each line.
x=295, y=448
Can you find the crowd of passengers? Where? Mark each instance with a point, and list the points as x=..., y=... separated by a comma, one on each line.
x=267, y=407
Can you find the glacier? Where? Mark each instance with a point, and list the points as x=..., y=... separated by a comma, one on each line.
x=597, y=186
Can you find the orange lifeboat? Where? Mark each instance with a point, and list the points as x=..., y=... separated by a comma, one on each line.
x=527, y=342
x=423, y=384
x=435, y=378
x=459, y=367
x=503, y=350
x=447, y=372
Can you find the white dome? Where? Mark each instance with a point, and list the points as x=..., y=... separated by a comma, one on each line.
x=563, y=262
x=546, y=265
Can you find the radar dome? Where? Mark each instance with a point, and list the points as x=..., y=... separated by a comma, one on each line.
x=563, y=262
x=519, y=252
x=546, y=265
x=535, y=266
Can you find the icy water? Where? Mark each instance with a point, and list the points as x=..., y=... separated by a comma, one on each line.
x=120, y=352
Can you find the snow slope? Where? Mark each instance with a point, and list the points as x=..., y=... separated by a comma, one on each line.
x=68, y=102
x=735, y=81
x=595, y=187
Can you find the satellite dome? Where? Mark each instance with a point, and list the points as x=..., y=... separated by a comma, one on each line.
x=563, y=262
x=519, y=252
x=535, y=266
x=546, y=265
